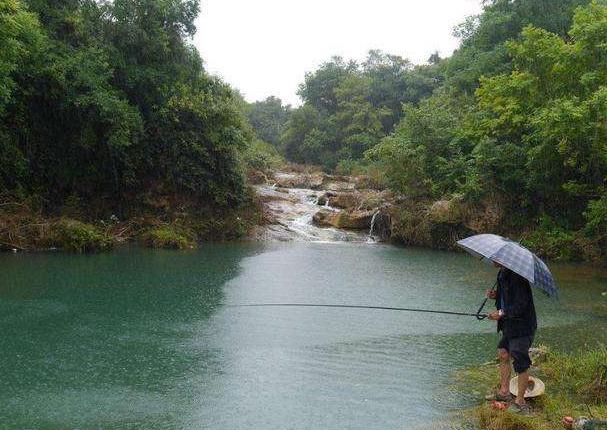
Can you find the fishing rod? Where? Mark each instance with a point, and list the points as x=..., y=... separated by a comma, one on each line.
x=478, y=315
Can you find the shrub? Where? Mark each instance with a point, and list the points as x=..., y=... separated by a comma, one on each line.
x=168, y=237
x=261, y=156
x=552, y=241
x=72, y=235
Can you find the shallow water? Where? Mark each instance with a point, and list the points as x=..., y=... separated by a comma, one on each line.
x=144, y=339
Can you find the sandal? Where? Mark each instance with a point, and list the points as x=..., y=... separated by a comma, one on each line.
x=515, y=408
x=497, y=396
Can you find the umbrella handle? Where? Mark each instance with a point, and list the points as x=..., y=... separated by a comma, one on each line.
x=480, y=316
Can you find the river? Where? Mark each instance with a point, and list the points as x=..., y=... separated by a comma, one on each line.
x=145, y=339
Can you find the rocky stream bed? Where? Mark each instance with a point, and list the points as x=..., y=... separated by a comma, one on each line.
x=323, y=208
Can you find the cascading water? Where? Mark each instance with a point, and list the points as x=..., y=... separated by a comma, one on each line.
x=293, y=210
x=372, y=228
x=315, y=207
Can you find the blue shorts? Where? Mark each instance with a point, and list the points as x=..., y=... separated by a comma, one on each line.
x=518, y=348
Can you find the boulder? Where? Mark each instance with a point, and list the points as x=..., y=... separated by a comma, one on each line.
x=344, y=200
x=352, y=220
x=324, y=198
x=299, y=180
x=339, y=186
x=325, y=218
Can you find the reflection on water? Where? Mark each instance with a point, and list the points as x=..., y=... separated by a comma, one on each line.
x=142, y=338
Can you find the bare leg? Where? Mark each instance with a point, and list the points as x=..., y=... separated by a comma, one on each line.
x=523, y=382
x=504, y=371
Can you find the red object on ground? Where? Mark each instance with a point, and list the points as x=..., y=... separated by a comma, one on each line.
x=500, y=406
x=568, y=422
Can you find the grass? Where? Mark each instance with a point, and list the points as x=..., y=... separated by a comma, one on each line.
x=168, y=237
x=77, y=236
x=576, y=385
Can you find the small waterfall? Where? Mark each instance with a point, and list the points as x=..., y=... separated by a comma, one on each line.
x=372, y=228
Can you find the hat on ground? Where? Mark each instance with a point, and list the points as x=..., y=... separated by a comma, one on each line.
x=535, y=388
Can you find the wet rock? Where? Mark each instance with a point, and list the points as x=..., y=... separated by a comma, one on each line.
x=268, y=194
x=312, y=181
x=339, y=186
x=344, y=200
x=324, y=218
x=356, y=220
x=352, y=220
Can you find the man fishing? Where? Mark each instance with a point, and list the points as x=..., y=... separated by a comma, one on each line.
x=516, y=320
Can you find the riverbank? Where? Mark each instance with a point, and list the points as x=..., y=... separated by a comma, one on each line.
x=576, y=385
x=300, y=199
x=159, y=221
x=292, y=202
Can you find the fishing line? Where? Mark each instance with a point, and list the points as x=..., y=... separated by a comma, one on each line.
x=478, y=315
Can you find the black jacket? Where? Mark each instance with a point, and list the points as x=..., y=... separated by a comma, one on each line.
x=519, y=312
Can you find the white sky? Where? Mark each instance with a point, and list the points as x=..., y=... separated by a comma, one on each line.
x=265, y=47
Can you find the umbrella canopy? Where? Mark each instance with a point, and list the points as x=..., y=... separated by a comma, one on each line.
x=514, y=256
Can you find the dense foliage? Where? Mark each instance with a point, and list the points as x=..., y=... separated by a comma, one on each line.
x=348, y=107
x=107, y=99
x=536, y=135
x=268, y=118
x=517, y=115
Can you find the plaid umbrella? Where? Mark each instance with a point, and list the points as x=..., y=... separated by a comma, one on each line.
x=514, y=256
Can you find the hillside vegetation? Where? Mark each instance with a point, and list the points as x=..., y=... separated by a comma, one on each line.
x=108, y=116
x=507, y=135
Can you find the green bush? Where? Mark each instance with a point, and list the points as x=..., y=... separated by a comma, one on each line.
x=552, y=241
x=72, y=235
x=168, y=237
x=261, y=156
x=596, y=218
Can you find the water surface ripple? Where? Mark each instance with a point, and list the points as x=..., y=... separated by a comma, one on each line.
x=144, y=339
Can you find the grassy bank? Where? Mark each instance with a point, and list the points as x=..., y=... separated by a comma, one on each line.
x=158, y=221
x=576, y=385
x=439, y=224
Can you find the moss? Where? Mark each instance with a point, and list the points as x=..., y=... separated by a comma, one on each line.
x=168, y=237
x=72, y=235
x=575, y=386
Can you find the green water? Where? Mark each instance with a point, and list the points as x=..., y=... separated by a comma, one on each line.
x=143, y=339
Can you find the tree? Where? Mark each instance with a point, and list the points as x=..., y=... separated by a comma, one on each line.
x=318, y=89
x=553, y=108
x=268, y=118
x=356, y=105
x=483, y=52
x=115, y=103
